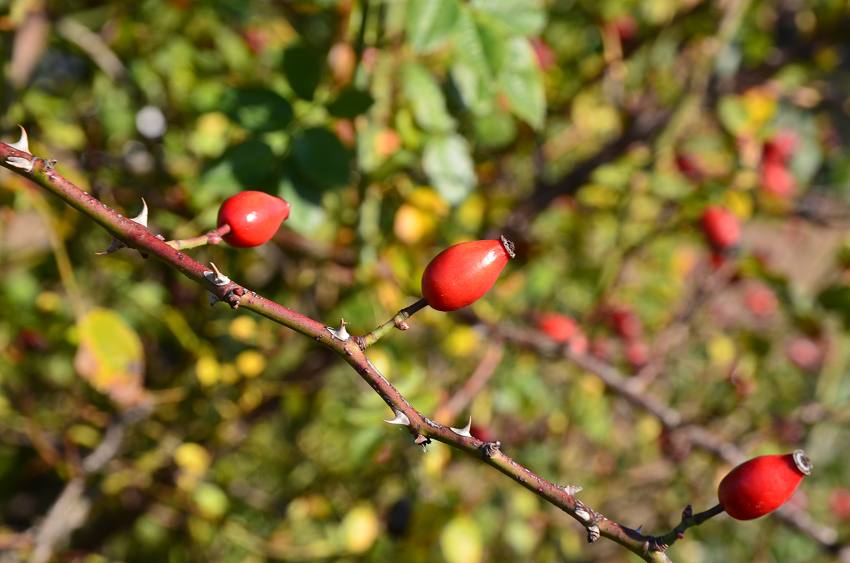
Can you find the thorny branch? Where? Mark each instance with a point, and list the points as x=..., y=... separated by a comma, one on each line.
x=632, y=391
x=137, y=236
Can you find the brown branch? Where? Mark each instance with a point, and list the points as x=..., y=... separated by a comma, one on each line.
x=420, y=427
x=451, y=408
x=630, y=390
x=71, y=508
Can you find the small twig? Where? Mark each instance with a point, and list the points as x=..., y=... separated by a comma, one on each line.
x=211, y=238
x=689, y=520
x=450, y=409
x=398, y=321
x=70, y=509
x=677, y=331
x=57, y=525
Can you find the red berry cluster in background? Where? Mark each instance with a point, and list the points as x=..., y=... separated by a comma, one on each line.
x=721, y=228
x=776, y=177
x=563, y=329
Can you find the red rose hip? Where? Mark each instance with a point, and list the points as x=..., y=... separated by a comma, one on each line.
x=463, y=273
x=559, y=328
x=721, y=227
x=253, y=217
x=762, y=484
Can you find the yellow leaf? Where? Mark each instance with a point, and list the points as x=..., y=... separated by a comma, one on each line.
x=361, y=528
x=460, y=541
x=110, y=356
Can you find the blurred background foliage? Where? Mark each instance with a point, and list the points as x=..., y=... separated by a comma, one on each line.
x=594, y=132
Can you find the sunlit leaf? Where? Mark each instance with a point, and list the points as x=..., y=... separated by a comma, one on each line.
x=110, y=356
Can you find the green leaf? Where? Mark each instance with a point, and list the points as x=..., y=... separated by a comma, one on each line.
x=426, y=99
x=480, y=44
x=495, y=130
x=351, y=102
x=110, y=356
x=429, y=23
x=258, y=109
x=448, y=164
x=523, y=17
x=302, y=67
x=522, y=83
x=251, y=164
x=321, y=158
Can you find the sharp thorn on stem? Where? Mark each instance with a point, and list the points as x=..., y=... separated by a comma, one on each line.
x=465, y=430
x=142, y=217
x=22, y=145
x=400, y=419
x=340, y=333
x=215, y=276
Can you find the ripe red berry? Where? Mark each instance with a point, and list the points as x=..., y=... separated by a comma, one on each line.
x=780, y=147
x=760, y=300
x=805, y=353
x=721, y=227
x=563, y=330
x=560, y=328
x=253, y=217
x=637, y=353
x=777, y=180
x=762, y=484
x=626, y=323
x=461, y=274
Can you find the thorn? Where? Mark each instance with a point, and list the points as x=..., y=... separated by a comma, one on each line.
x=400, y=419
x=23, y=144
x=422, y=441
x=340, y=333
x=142, y=217
x=572, y=490
x=583, y=514
x=593, y=533
x=114, y=246
x=463, y=431
x=216, y=277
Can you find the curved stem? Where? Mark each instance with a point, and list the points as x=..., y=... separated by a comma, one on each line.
x=351, y=349
x=398, y=321
x=211, y=238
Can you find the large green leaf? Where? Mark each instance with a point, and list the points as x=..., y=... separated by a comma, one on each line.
x=321, y=158
x=110, y=356
x=448, y=164
x=522, y=82
x=302, y=66
x=523, y=17
x=480, y=43
x=426, y=99
x=258, y=109
x=429, y=22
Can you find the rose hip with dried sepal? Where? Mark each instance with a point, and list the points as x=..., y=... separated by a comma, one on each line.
x=253, y=218
x=763, y=484
x=461, y=274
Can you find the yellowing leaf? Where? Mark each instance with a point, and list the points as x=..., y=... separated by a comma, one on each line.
x=461, y=541
x=250, y=363
x=361, y=528
x=110, y=356
x=192, y=458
